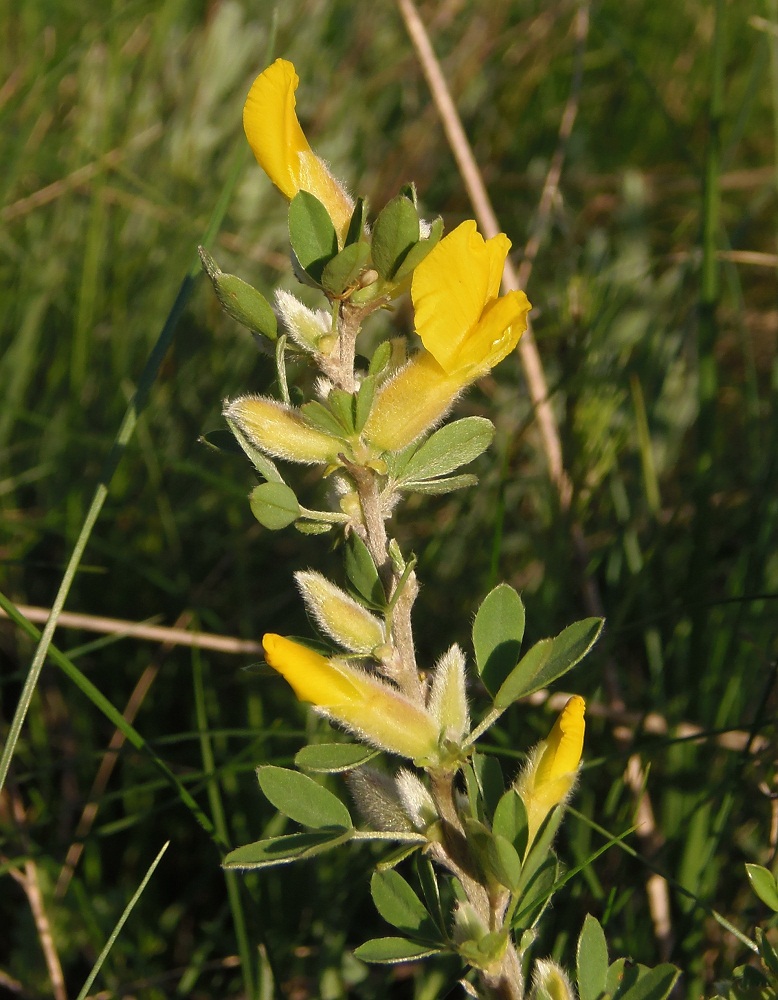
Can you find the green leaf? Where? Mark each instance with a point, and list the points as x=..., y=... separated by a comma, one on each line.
x=312, y=527
x=535, y=894
x=264, y=466
x=452, y=446
x=322, y=417
x=331, y=758
x=283, y=850
x=240, y=300
x=311, y=234
x=381, y=358
x=302, y=799
x=395, y=231
x=591, y=959
x=362, y=573
x=548, y=660
x=390, y=950
x=399, y=905
x=417, y=253
x=342, y=405
x=344, y=269
x=541, y=846
x=490, y=781
x=763, y=884
x=505, y=862
x=616, y=972
x=641, y=983
x=356, y=226
x=768, y=952
x=440, y=486
x=364, y=401
x=274, y=505
x=496, y=856
x=498, y=630
x=429, y=887
x=510, y=821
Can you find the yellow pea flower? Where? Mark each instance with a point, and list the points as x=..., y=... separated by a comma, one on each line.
x=280, y=146
x=552, y=768
x=370, y=708
x=466, y=328
x=460, y=316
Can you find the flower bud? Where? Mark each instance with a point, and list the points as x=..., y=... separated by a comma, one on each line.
x=417, y=801
x=306, y=327
x=279, y=430
x=372, y=709
x=339, y=615
x=376, y=799
x=552, y=768
x=549, y=982
x=448, y=700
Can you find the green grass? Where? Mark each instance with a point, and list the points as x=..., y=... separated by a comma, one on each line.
x=121, y=140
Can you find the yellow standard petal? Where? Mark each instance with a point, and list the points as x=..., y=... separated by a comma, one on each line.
x=564, y=744
x=279, y=144
x=272, y=128
x=459, y=317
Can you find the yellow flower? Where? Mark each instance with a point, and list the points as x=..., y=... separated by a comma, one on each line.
x=370, y=708
x=462, y=320
x=280, y=146
x=552, y=767
x=466, y=329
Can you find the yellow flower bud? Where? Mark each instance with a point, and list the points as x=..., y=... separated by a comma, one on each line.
x=339, y=615
x=279, y=144
x=372, y=709
x=279, y=430
x=552, y=767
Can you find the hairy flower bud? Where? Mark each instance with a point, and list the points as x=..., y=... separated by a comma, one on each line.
x=279, y=430
x=339, y=615
x=447, y=699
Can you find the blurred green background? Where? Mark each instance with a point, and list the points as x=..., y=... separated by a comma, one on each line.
x=656, y=317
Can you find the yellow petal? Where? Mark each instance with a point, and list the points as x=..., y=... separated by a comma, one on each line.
x=312, y=677
x=494, y=337
x=272, y=128
x=280, y=146
x=449, y=291
x=372, y=709
x=564, y=745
